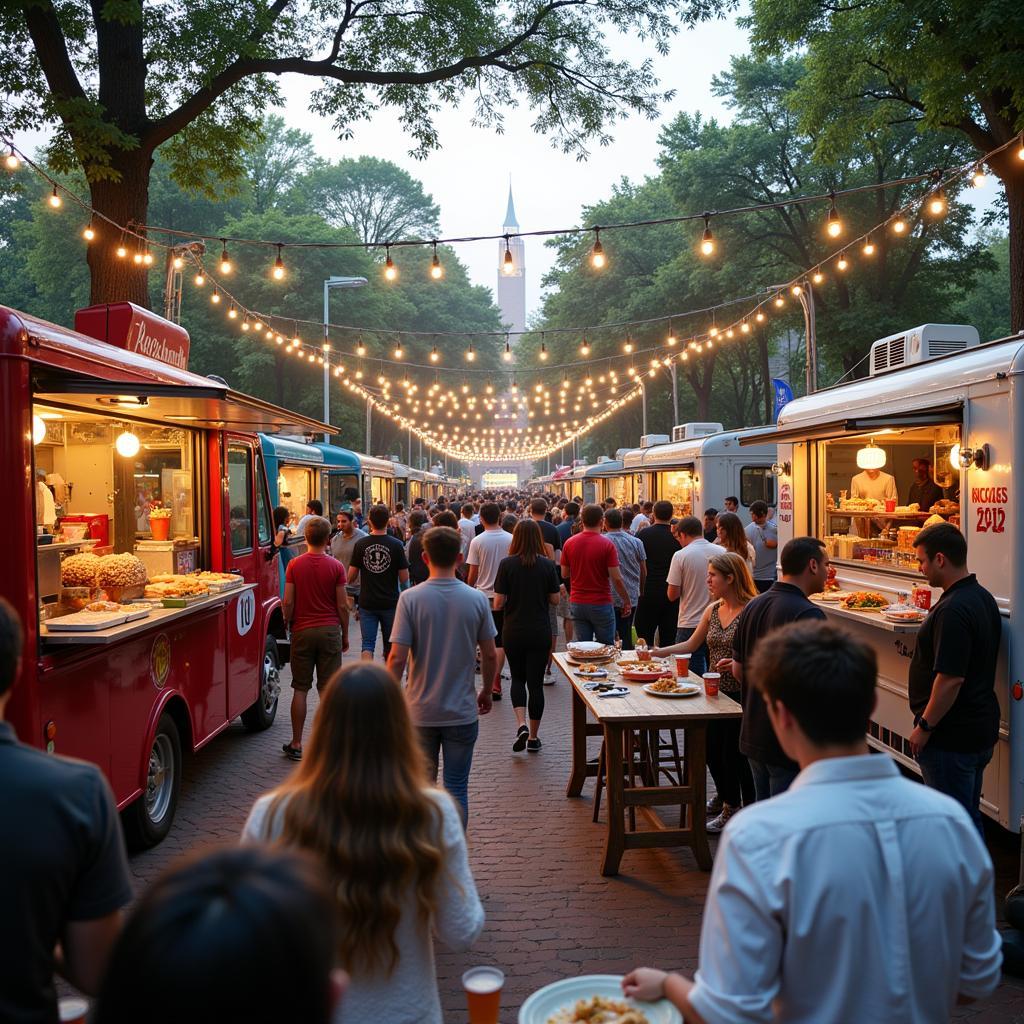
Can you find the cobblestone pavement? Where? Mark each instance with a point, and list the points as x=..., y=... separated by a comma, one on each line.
x=535, y=856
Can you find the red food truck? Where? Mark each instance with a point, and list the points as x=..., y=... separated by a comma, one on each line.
x=139, y=550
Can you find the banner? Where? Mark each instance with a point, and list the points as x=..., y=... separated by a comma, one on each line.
x=783, y=396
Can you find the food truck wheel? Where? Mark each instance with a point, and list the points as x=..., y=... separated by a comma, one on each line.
x=149, y=818
x=263, y=711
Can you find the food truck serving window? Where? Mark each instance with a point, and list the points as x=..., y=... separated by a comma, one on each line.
x=757, y=483
x=677, y=486
x=110, y=485
x=875, y=492
x=343, y=489
x=240, y=497
x=294, y=489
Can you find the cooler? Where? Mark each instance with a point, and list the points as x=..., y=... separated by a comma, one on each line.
x=168, y=556
x=98, y=523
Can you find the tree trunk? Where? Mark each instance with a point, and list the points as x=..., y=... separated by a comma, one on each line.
x=114, y=278
x=1007, y=167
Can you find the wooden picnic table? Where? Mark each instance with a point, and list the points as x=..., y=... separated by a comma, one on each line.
x=615, y=718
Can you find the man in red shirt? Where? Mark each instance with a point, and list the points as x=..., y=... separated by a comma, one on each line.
x=589, y=562
x=315, y=608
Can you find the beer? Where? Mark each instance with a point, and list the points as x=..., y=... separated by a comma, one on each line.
x=483, y=994
x=711, y=680
x=682, y=666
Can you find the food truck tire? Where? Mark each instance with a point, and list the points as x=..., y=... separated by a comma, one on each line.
x=148, y=820
x=261, y=714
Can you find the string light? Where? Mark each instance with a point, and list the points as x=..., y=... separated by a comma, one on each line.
x=597, y=257
x=978, y=178
x=937, y=204
x=232, y=312
x=399, y=352
x=899, y=226
x=434, y=355
x=470, y=354
x=88, y=232
x=200, y=279
x=817, y=277
x=707, y=241
x=869, y=247
x=225, y=259
x=779, y=300
x=177, y=262
x=11, y=161
x=584, y=347
x=147, y=257
x=390, y=270
x=628, y=346
x=55, y=200
x=245, y=323
x=215, y=297
x=842, y=263
x=795, y=291
x=671, y=339
x=360, y=347
x=543, y=352
x=508, y=265
x=278, y=271
x=833, y=225
x=507, y=354
x=436, y=270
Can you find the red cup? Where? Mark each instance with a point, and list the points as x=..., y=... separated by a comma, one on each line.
x=483, y=987
x=643, y=654
x=890, y=504
x=711, y=680
x=682, y=666
x=922, y=597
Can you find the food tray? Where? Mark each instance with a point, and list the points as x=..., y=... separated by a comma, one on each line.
x=88, y=622
x=686, y=690
x=182, y=602
x=219, y=588
x=556, y=1001
x=142, y=613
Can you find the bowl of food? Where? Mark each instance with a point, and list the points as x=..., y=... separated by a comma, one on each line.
x=593, y=999
x=643, y=673
x=865, y=601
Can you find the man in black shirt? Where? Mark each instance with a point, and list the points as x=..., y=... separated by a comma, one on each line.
x=952, y=674
x=65, y=874
x=655, y=613
x=804, y=564
x=711, y=525
x=924, y=490
x=380, y=567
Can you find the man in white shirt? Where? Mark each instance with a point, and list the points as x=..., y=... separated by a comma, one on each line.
x=467, y=528
x=857, y=895
x=871, y=483
x=642, y=518
x=688, y=581
x=486, y=550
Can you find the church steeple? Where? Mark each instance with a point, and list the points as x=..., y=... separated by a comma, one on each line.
x=510, y=211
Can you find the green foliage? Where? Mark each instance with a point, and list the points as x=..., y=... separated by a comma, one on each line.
x=987, y=305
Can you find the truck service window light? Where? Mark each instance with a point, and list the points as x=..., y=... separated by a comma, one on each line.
x=127, y=444
x=38, y=429
x=870, y=457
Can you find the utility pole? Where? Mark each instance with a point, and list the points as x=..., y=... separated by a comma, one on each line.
x=172, y=282
x=675, y=394
x=804, y=293
x=643, y=401
x=369, y=407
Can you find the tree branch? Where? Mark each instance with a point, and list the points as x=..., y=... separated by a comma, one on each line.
x=52, y=51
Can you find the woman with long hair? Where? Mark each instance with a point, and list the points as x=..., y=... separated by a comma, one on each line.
x=391, y=846
x=525, y=587
x=733, y=537
x=731, y=586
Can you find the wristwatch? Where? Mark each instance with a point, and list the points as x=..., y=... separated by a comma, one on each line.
x=922, y=722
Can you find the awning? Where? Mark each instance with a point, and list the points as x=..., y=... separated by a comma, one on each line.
x=213, y=406
x=934, y=417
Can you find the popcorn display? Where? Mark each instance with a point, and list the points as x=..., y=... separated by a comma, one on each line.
x=120, y=572
x=80, y=570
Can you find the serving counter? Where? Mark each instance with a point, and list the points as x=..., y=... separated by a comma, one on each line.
x=159, y=616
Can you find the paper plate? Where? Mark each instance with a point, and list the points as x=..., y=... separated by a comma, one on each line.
x=584, y=646
x=562, y=995
x=686, y=690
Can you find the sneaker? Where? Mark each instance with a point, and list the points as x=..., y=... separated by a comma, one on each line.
x=549, y=678
x=714, y=806
x=521, y=737
x=533, y=746
x=292, y=753
x=716, y=825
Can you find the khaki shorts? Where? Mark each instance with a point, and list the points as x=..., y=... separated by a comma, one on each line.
x=563, y=607
x=318, y=647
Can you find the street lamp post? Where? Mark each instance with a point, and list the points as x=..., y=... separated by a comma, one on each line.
x=805, y=296
x=333, y=282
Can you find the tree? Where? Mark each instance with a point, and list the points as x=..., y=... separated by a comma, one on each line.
x=987, y=305
x=375, y=198
x=954, y=66
x=275, y=162
x=119, y=80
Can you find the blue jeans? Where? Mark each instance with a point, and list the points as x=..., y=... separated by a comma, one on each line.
x=957, y=775
x=456, y=743
x=369, y=620
x=770, y=779
x=624, y=627
x=699, y=658
x=593, y=622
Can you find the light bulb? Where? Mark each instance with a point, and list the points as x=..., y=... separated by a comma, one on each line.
x=1020, y=152
x=200, y=279
x=127, y=444
x=628, y=346
x=507, y=354
x=177, y=262
x=434, y=355
x=390, y=270
x=121, y=252
x=795, y=290
x=978, y=178
x=225, y=259
x=278, y=271
x=745, y=327
x=543, y=352
x=360, y=348
x=38, y=429
x=215, y=297
x=713, y=332
x=245, y=324
x=55, y=200
x=88, y=233
x=597, y=257
x=937, y=204
x=818, y=277
x=779, y=300
x=833, y=225
x=671, y=340
x=232, y=312
x=11, y=161
x=899, y=226
x=842, y=263
x=470, y=354
x=707, y=239
x=436, y=270
x=869, y=247
x=399, y=352
x=147, y=258
x=137, y=258
x=584, y=348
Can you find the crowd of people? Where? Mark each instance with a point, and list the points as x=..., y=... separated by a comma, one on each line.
x=840, y=891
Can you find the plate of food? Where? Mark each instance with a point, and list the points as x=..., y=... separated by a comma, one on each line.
x=643, y=673
x=85, y=621
x=593, y=999
x=136, y=611
x=584, y=646
x=904, y=613
x=865, y=601
x=591, y=672
x=672, y=688
x=833, y=596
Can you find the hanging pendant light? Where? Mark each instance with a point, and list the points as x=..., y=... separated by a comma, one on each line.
x=870, y=456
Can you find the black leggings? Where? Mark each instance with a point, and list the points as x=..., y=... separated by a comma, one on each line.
x=527, y=660
x=728, y=767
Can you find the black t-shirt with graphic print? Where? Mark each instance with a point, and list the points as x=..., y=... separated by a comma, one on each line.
x=379, y=558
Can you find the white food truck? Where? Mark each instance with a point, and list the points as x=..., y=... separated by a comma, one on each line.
x=940, y=416
x=703, y=466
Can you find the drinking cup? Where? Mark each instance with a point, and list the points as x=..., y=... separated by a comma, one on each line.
x=643, y=654
x=890, y=504
x=922, y=597
x=483, y=994
x=711, y=680
x=682, y=666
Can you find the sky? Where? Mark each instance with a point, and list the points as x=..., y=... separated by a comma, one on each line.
x=468, y=176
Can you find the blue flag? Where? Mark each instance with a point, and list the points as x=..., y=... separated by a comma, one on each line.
x=783, y=396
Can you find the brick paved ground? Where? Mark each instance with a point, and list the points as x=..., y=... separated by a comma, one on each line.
x=535, y=856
